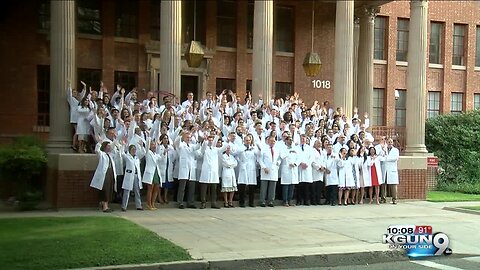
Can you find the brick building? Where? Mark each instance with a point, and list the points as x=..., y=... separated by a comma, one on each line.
x=364, y=62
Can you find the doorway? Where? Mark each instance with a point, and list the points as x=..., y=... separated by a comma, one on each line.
x=189, y=84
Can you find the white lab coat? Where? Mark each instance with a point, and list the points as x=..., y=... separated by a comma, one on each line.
x=152, y=163
x=319, y=161
x=187, y=163
x=98, y=179
x=166, y=169
x=83, y=125
x=391, y=168
x=228, y=171
x=132, y=172
x=247, y=165
x=367, y=180
x=378, y=168
x=306, y=156
x=289, y=166
x=266, y=161
x=331, y=178
x=210, y=171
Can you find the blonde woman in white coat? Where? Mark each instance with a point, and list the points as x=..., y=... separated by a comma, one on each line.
x=331, y=178
x=151, y=175
x=288, y=171
x=132, y=178
x=247, y=170
x=187, y=165
x=373, y=162
x=104, y=177
x=229, y=183
x=167, y=160
x=318, y=170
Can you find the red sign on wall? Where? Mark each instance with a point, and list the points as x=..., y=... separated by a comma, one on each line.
x=432, y=161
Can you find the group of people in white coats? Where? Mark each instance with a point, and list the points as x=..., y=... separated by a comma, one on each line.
x=226, y=144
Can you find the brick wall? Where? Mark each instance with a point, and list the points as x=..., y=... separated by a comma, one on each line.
x=413, y=184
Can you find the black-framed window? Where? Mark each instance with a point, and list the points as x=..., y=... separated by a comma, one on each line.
x=44, y=15
x=401, y=108
x=402, y=39
x=477, y=54
x=379, y=38
x=285, y=25
x=91, y=77
x=125, y=79
x=283, y=89
x=43, y=95
x=126, y=23
x=378, y=107
x=458, y=45
x=155, y=6
x=250, y=14
x=188, y=26
x=456, y=103
x=433, y=104
x=227, y=23
x=224, y=83
x=436, y=37
x=89, y=16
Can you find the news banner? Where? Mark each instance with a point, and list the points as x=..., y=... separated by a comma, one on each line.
x=417, y=240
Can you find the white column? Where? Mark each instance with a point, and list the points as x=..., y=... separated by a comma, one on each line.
x=356, y=37
x=170, y=47
x=262, y=50
x=343, y=73
x=417, y=78
x=62, y=70
x=365, y=61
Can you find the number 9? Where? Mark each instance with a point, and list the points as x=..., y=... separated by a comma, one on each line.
x=440, y=241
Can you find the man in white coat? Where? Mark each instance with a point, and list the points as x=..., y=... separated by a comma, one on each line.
x=305, y=175
x=187, y=165
x=269, y=161
x=289, y=171
x=391, y=171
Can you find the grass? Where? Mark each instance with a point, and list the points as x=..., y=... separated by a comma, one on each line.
x=75, y=242
x=443, y=196
x=476, y=208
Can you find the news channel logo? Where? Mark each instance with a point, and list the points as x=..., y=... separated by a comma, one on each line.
x=417, y=240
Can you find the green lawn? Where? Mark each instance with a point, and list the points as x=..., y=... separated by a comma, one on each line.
x=74, y=242
x=442, y=196
x=476, y=208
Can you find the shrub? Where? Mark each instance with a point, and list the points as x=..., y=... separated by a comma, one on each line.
x=22, y=163
x=454, y=138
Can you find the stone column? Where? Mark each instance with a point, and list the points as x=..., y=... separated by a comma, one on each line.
x=262, y=50
x=170, y=47
x=62, y=70
x=417, y=78
x=343, y=73
x=356, y=37
x=365, y=61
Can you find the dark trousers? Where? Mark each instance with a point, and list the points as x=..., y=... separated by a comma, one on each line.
x=332, y=194
x=251, y=194
x=213, y=193
x=317, y=190
x=304, y=193
x=287, y=193
x=181, y=191
x=119, y=193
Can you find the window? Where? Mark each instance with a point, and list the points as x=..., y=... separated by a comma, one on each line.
x=188, y=9
x=155, y=19
x=226, y=23
x=89, y=19
x=284, y=35
x=379, y=38
x=91, y=77
x=283, y=89
x=44, y=15
x=458, y=44
x=222, y=84
x=248, y=87
x=436, y=34
x=377, y=116
x=433, y=104
x=126, y=18
x=477, y=59
x=402, y=39
x=43, y=95
x=250, y=14
x=456, y=104
x=401, y=108
x=127, y=80
x=476, y=101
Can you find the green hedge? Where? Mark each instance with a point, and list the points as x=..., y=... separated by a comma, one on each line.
x=454, y=139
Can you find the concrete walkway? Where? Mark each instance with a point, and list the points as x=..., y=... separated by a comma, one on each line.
x=248, y=233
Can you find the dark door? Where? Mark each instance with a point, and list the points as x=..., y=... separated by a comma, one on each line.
x=189, y=84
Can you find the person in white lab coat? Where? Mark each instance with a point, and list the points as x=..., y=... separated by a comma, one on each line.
x=187, y=165
x=305, y=174
x=209, y=177
x=391, y=169
x=288, y=171
x=167, y=159
x=229, y=183
x=151, y=175
x=363, y=174
x=132, y=178
x=269, y=160
x=104, y=177
x=373, y=162
x=318, y=170
x=331, y=178
x=247, y=171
